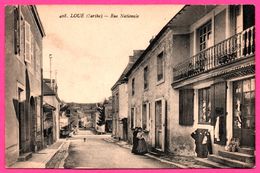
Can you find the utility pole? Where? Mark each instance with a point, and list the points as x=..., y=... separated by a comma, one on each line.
x=50, y=56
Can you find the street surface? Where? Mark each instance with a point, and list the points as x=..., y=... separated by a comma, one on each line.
x=97, y=153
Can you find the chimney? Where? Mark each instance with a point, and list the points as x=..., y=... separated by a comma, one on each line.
x=151, y=39
x=136, y=55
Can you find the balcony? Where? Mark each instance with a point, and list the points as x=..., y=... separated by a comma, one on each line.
x=233, y=49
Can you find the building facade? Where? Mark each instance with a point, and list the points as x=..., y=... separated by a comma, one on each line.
x=215, y=83
x=23, y=91
x=197, y=73
x=149, y=91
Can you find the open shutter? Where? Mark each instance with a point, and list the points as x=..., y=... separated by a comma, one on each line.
x=186, y=107
x=27, y=42
x=32, y=50
x=218, y=96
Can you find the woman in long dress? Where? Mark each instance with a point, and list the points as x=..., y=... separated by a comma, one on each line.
x=135, y=141
x=142, y=146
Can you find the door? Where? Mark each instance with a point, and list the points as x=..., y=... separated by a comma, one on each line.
x=21, y=121
x=218, y=108
x=160, y=124
x=244, y=112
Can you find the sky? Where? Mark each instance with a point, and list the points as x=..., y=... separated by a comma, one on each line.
x=90, y=53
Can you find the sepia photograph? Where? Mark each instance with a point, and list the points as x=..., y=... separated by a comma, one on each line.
x=129, y=86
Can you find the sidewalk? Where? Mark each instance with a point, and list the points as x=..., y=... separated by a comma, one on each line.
x=178, y=161
x=42, y=157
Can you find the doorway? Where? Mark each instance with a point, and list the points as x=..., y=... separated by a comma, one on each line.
x=160, y=125
x=244, y=112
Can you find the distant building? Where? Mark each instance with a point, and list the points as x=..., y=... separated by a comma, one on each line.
x=23, y=82
x=120, y=101
x=108, y=114
x=51, y=111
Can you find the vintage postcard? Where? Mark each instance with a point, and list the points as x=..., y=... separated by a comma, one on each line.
x=129, y=86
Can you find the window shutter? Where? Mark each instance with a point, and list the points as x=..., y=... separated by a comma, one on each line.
x=27, y=42
x=186, y=107
x=32, y=51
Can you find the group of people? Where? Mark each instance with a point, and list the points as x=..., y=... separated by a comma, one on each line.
x=139, y=143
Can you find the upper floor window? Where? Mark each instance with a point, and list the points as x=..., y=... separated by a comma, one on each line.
x=146, y=84
x=23, y=38
x=133, y=86
x=160, y=67
x=204, y=106
x=117, y=103
x=205, y=36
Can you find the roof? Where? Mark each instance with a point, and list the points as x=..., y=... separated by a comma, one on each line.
x=47, y=91
x=122, y=77
x=152, y=43
x=37, y=19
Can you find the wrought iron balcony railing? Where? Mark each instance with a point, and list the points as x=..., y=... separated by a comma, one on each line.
x=238, y=46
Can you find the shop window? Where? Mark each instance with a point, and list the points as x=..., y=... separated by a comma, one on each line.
x=244, y=104
x=204, y=106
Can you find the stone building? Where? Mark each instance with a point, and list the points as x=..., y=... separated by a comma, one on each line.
x=120, y=101
x=51, y=111
x=198, y=73
x=214, y=80
x=149, y=91
x=23, y=82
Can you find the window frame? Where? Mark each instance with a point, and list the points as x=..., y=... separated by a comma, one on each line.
x=208, y=105
x=146, y=78
x=203, y=35
x=133, y=86
x=160, y=58
x=147, y=115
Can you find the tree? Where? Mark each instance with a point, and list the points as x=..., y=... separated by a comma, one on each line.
x=101, y=118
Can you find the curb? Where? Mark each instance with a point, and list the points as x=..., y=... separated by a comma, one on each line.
x=149, y=155
x=61, y=165
x=53, y=154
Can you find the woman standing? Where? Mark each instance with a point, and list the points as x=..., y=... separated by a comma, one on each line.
x=141, y=146
x=135, y=140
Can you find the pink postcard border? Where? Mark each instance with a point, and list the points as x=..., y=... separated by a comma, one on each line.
x=123, y=2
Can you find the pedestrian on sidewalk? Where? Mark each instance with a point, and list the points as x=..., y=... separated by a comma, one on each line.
x=141, y=146
x=135, y=140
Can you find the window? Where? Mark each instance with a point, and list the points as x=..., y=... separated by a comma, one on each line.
x=133, y=86
x=146, y=84
x=160, y=67
x=186, y=106
x=205, y=36
x=17, y=31
x=117, y=102
x=244, y=104
x=132, y=118
x=145, y=116
x=27, y=42
x=204, y=106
